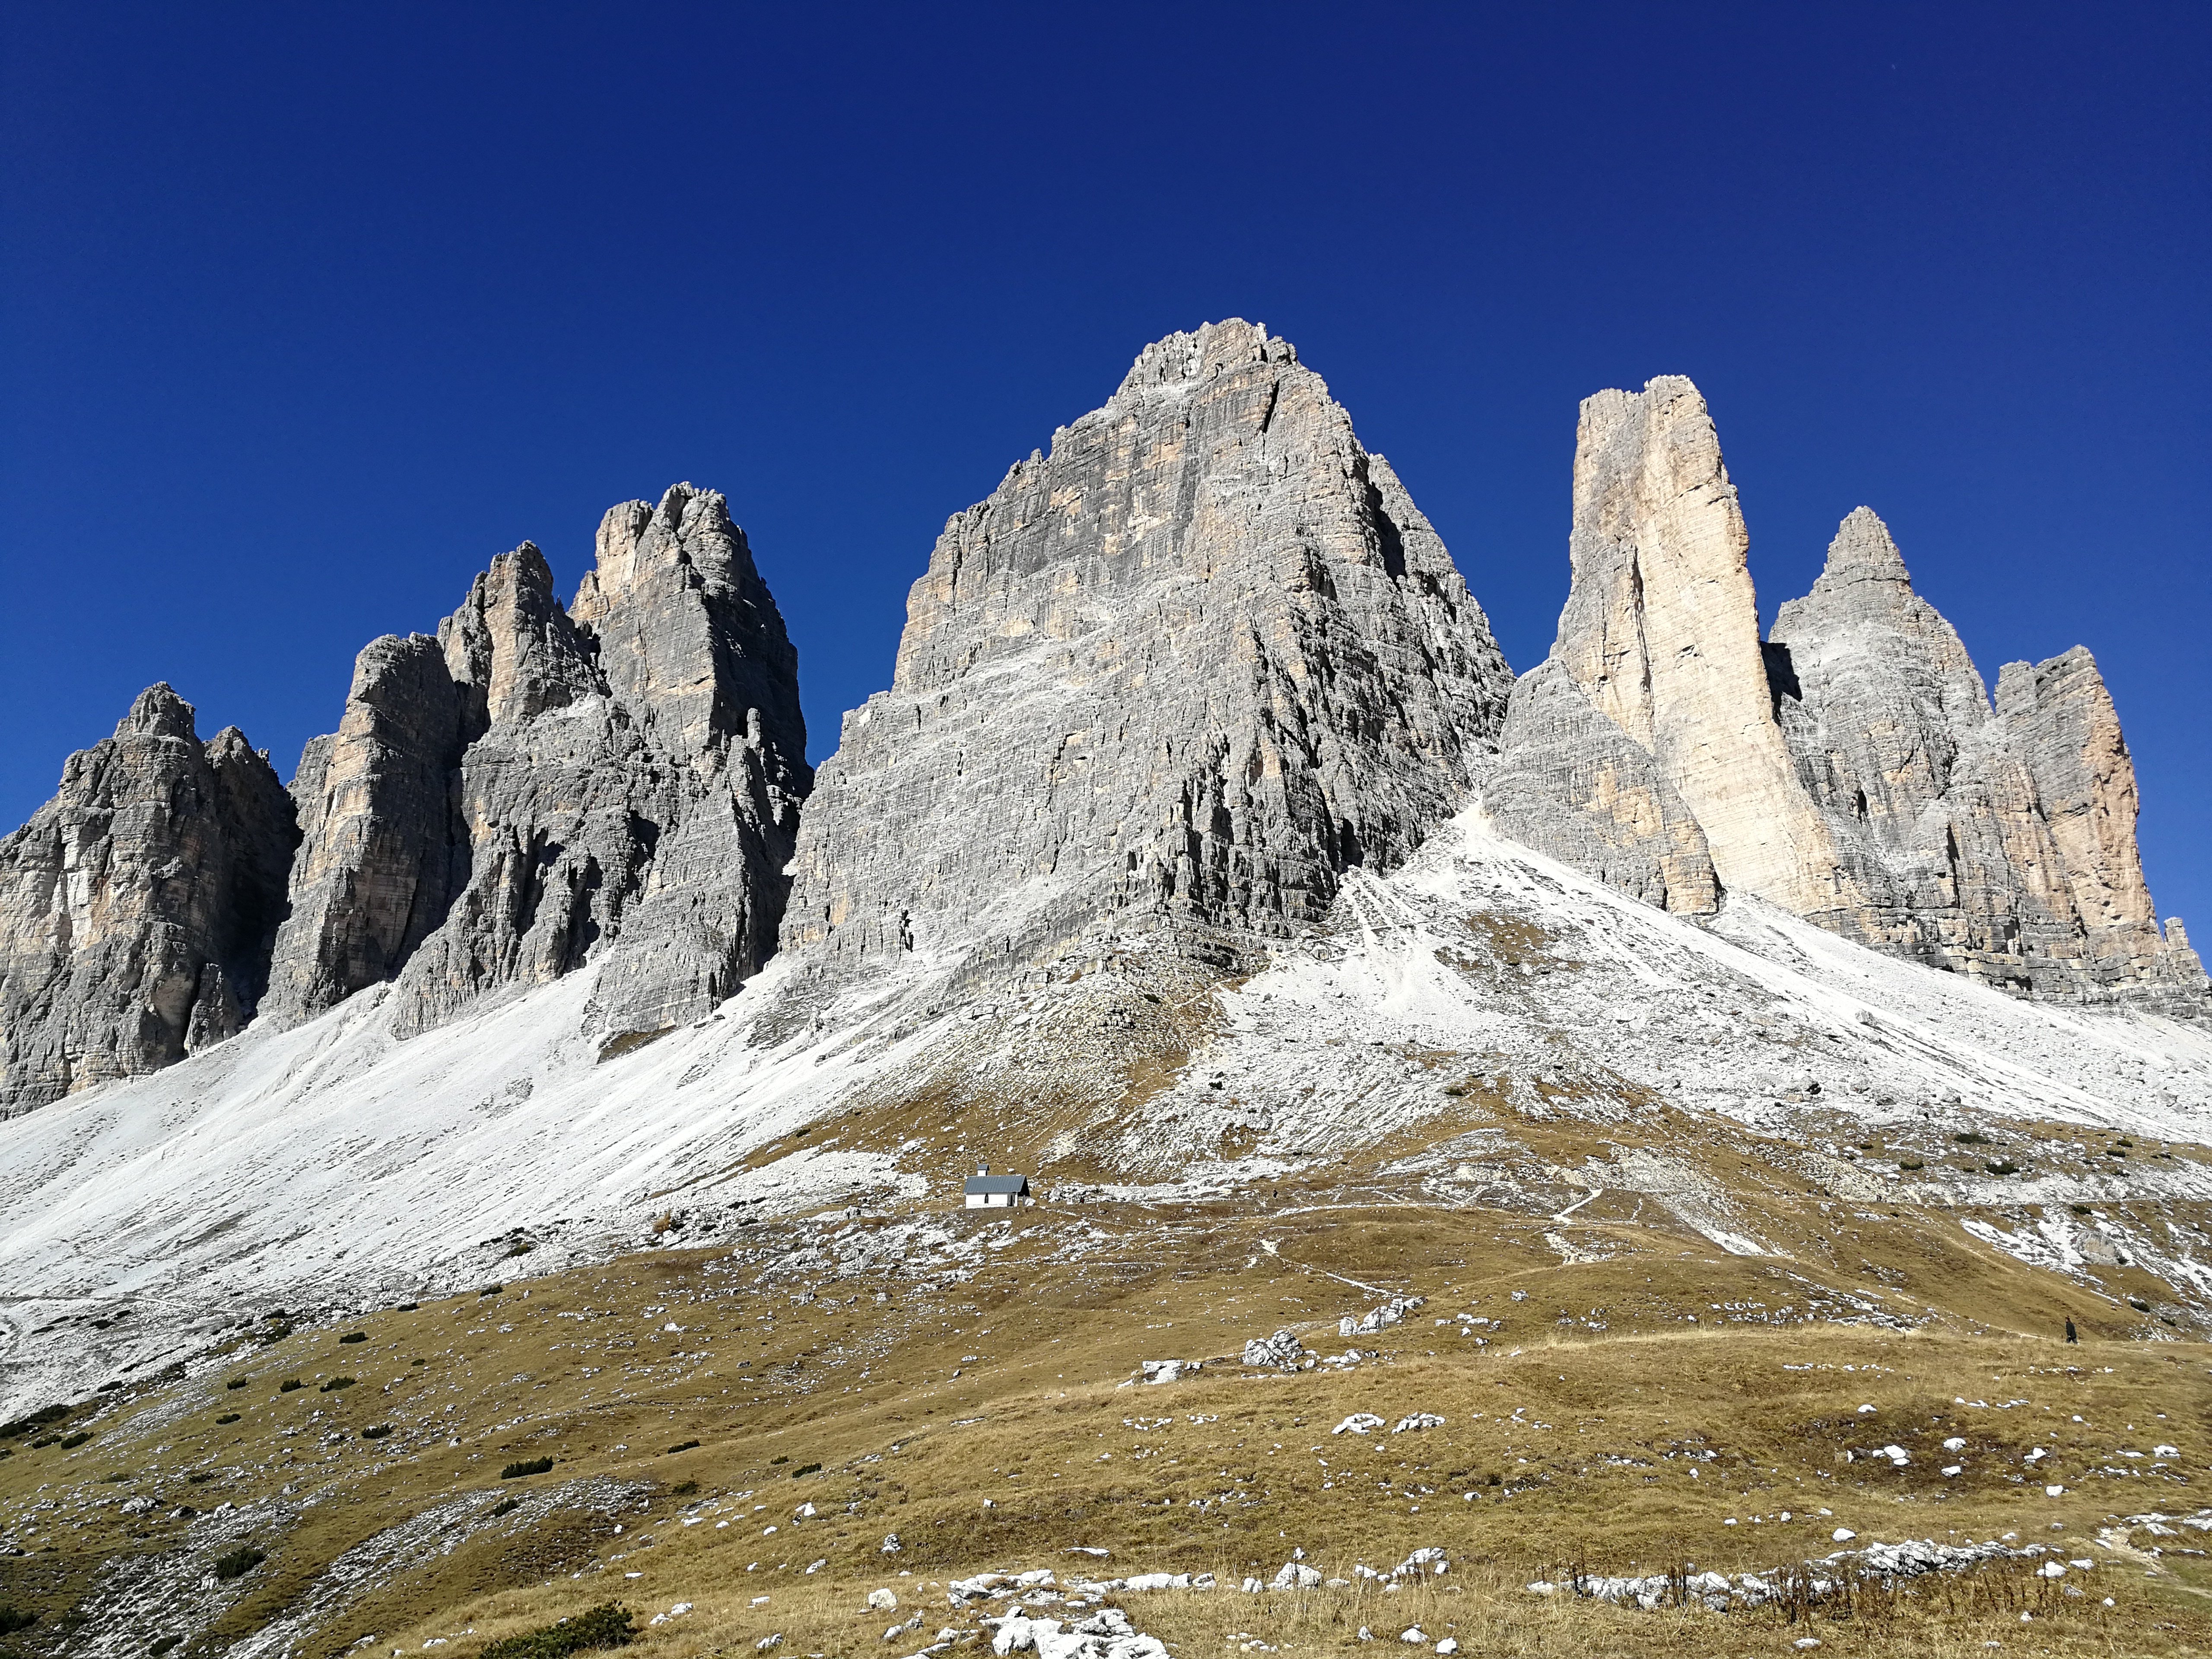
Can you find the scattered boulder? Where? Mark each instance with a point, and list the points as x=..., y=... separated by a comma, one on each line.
x=1375, y=1319
x=1283, y=1351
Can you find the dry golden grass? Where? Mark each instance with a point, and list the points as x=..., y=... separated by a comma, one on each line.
x=1577, y=1444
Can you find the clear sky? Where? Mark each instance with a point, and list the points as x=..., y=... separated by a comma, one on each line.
x=305, y=311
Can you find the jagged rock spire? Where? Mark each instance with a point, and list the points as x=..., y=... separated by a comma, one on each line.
x=538, y=787
x=137, y=907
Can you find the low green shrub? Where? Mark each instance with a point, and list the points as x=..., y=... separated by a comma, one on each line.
x=377, y=1432
x=355, y=1336
x=335, y=1384
x=238, y=1382
x=522, y=1247
x=535, y=1466
x=408, y=1307
x=45, y=1440
x=161, y=1645
x=780, y=1459
x=683, y=1445
x=1970, y=1138
x=71, y=1442
x=200, y=1477
x=236, y=1563
x=684, y=1489
x=491, y=1289
x=228, y=1417
x=505, y=1506
x=607, y=1626
x=288, y=1384
x=13, y=1618
x=805, y=1468
x=37, y=1420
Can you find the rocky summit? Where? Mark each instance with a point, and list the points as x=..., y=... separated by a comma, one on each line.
x=535, y=786
x=1182, y=671
x=138, y=906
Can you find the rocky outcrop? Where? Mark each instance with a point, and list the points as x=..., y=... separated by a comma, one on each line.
x=538, y=787
x=1188, y=668
x=1999, y=843
x=1573, y=783
x=137, y=907
x=1850, y=767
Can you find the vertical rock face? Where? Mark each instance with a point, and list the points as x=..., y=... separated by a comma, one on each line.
x=1850, y=767
x=536, y=786
x=377, y=857
x=1661, y=634
x=1189, y=667
x=137, y=907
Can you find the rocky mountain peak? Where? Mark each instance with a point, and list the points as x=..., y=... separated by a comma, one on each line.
x=158, y=712
x=538, y=787
x=1182, y=360
x=1849, y=767
x=512, y=643
x=1660, y=636
x=688, y=632
x=1185, y=668
x=1863, y=550
x=138, y=906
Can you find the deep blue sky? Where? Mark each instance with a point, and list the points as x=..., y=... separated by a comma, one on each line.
x=306, y=312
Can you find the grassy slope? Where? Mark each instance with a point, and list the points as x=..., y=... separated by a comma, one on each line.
x=1575, y=1428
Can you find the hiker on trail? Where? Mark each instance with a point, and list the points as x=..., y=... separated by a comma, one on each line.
x=2070, y=1330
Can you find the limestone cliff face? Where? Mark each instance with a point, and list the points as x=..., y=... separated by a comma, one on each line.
x=1850, y=767
x=537, y=787
x=1187, y=668
x=1645, y=748
x=137, y=907
x=1999, y=843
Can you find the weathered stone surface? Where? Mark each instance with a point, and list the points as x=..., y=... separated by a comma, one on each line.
x=1849, y=767
x=377, y=861
x=1575, y=785
x=537, y=788
x=1188, y=667
x=138, y=906
x=1997, y=844
x=1661, y=633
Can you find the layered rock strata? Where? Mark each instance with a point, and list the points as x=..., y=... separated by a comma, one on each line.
x=138, y=906
x=1850, y=767
x=537, y=787
x=1188, y=667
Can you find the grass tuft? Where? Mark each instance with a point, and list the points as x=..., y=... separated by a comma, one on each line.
x=236, y=1563
x=607, y=1626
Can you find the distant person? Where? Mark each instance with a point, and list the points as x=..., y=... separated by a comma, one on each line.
x=2070, y=1331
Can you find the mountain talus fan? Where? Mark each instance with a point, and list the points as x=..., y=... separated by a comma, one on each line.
x=1185, y=669
x=500, y=803
x=1849, y=768
x=138, y=906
